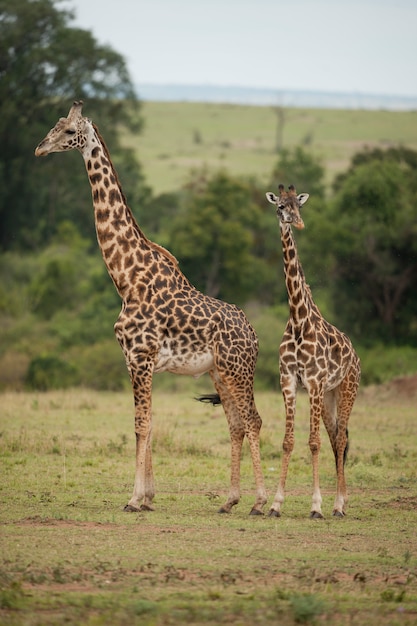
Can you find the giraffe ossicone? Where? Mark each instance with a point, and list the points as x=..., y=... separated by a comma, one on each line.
x=317, y=355
x=165, y=323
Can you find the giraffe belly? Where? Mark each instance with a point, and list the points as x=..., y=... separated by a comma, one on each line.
x=189, y=363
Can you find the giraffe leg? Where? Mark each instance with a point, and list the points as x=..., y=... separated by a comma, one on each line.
x=235, y=406
x=144, y=488
x=346, y=398
x=289, y=394
x=237, y=434
x=330, y=416
x=316, y=411
x=149, y=479
x=332, y=424
x=252, y=431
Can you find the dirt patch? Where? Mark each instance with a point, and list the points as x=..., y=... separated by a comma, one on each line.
x=401, y=502
x=397, y=389
x=403, y=386
x=38, y=520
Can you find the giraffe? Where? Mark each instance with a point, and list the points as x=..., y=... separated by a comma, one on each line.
x=316, y=355
x=165, y=323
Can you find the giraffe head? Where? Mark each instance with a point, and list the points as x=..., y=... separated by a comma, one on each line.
x=68, y=133
x=288, y=205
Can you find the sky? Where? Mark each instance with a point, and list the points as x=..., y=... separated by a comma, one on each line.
x=342, y=46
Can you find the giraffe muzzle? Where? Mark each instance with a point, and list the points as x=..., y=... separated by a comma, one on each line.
x=40, y=150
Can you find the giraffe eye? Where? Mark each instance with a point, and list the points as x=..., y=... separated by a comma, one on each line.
x=70, y=132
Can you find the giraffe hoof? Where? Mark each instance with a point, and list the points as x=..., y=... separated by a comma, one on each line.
x=339, y=514
x=255, y=512
x=146, y=507
x=130, y=509
x=274, y=513
x=316, y=515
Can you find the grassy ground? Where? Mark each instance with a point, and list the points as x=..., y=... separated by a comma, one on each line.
x=243, y=139
x=69, y=554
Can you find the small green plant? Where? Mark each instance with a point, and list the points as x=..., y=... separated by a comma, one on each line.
x=407, y=557
x=143, y=607
x=306, y=607
x=118, y=447
x=59, y=575
x=391, y=595
x=12, y=596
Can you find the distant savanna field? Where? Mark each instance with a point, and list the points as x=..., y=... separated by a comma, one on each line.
x=179, y=136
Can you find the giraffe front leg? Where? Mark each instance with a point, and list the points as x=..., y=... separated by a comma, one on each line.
x=144, y=488
x=288, y=392
x=287, y=447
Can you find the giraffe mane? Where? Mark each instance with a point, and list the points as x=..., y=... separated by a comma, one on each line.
x=152, y=244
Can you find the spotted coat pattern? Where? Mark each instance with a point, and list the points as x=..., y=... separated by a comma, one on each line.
x=316, y=355
x=165, y=323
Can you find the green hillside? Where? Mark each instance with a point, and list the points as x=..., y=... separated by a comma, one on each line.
x=180, y=136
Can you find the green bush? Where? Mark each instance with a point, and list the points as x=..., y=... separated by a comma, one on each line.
x=306, y=607
x=102, y=366
x=382, y=363
x=49, y=371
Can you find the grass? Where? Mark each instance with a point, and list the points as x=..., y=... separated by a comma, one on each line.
x=242, y=139
x=69, y=553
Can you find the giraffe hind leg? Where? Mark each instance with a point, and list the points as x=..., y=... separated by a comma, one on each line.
x=345, y=399
x=241, y=421
x=237, y=434
x=330, y=417
x=331, y=422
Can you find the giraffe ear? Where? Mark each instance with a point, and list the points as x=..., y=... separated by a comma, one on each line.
x=271, y=197
x=302, y=198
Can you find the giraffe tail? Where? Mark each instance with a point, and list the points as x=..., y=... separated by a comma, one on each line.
x=210, y=398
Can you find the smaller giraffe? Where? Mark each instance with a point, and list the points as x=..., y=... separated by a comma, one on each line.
x=316, y=355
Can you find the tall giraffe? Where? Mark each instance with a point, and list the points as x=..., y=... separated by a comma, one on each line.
x=165, y=324
x=318, y=356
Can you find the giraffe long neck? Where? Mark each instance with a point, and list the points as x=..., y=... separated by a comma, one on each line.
x=125, y=249
x=299, y=295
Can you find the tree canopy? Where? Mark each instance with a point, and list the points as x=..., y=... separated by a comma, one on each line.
x=373, y=236
x=213, y=235
x=358, y=249
x=46, y=63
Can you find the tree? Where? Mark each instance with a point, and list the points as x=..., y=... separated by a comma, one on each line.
x=213, y=236
x=398, y=154
x=372, y=233
x=44, y=65
x=299, y=168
